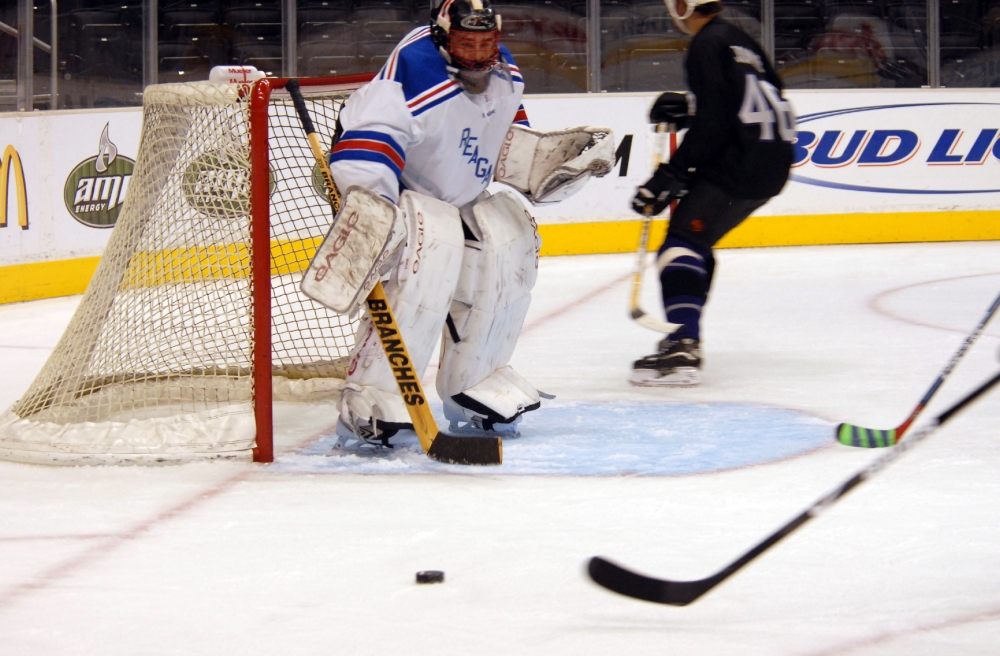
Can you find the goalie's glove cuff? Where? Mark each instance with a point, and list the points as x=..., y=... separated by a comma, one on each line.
x=659, y=191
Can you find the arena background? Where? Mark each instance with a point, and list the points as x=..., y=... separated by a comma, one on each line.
x=894, y=144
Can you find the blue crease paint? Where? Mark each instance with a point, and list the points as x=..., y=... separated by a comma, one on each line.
x=603, y=439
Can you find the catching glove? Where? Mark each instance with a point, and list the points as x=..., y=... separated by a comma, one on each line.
x=659, y=191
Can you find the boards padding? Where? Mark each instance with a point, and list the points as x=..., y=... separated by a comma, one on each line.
x=158, y=362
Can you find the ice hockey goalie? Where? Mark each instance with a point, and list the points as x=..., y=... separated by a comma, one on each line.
x=426, y=135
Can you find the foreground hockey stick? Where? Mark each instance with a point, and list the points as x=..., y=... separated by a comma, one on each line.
x=870, y=438
x=639, y=315
x=437, y=445
x=681, y=593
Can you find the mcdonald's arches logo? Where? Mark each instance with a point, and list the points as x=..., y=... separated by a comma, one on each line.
x=11, y=160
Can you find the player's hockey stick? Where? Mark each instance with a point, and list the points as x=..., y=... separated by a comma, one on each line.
x=870, y=438
x=639, y=315
x=437, y=445
x=681, y=593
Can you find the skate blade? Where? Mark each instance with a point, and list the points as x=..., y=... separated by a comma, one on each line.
x=465, y=430
x=679, y=377
x=353, y=446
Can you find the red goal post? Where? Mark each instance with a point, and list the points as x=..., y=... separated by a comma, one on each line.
x=261, y=98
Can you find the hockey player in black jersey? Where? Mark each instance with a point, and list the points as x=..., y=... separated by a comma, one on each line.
x=735, y=155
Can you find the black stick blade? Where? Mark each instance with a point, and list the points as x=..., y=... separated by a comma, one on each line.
x=466, y=450
x=625, y=582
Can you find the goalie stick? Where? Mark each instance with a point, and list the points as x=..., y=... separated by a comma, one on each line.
x=639, y=315
x=681, y=593
x=437, y=445
x=874, y=438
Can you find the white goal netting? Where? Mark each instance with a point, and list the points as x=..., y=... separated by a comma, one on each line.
x=157, y=363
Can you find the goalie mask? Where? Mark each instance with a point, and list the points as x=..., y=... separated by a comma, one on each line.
x=688, y=6
x=467, y=34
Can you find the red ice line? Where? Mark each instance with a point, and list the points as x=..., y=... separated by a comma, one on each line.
x=889, y=636
x=572, y=305
x=875, y=303
x=110, y=542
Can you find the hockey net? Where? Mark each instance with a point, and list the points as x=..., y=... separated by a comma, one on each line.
x=194, y=320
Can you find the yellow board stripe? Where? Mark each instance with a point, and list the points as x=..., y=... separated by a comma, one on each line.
x=27, y=282
x=293, y=256
x=760, y=231
x=223, y=262
x=821, y=229
x=37, y=280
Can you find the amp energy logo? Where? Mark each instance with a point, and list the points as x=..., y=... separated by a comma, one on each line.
x=95, y=190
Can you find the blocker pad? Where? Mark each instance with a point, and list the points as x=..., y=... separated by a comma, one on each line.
x=345, y=267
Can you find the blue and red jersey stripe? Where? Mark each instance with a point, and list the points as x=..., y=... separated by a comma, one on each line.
x=521, y=118
x=391, y=66
x=370, y=146
x=515, y=72
x=434, y=97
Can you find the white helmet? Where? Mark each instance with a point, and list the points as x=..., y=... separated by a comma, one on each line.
x=691, y=5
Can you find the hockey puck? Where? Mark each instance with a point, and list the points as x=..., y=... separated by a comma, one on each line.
x=430, y=576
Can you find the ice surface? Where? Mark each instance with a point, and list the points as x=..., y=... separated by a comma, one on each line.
x=297, y=558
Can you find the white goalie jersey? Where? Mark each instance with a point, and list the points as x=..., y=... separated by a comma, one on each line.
x=413, y=127
x=417, y=138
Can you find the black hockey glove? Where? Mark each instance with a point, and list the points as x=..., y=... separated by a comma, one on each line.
x=672, y=108
x=659, y=191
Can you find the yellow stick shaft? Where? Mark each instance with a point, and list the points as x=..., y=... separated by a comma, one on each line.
x=383, y=320
x=407, y=378
x=324, y=168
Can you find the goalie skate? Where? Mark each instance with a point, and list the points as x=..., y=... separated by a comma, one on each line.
x=677, y=364
x=369, y=417
x=364, y=436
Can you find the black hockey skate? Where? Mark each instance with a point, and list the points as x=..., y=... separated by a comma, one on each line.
x=677, y=364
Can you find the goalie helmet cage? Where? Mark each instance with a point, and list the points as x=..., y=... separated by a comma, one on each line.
x=193, y=321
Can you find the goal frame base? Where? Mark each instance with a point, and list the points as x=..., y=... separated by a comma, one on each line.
x=142, y=459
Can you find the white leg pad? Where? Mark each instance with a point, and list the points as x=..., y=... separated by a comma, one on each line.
x=488, y=310
x=420, y=292
x=501, y=398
